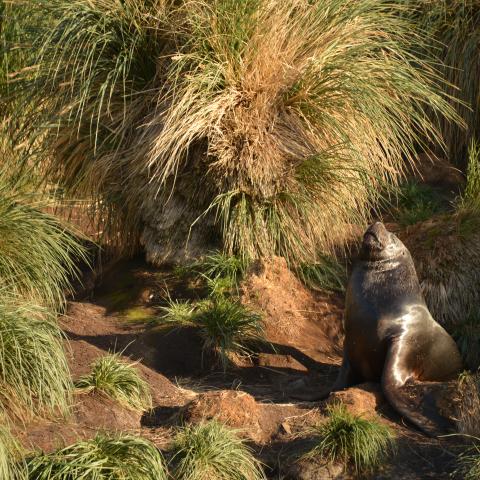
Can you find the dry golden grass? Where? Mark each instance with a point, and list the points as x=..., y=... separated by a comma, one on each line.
x=455, y=26
x=275, y=121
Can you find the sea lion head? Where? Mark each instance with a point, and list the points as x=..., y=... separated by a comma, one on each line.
x=380, y=244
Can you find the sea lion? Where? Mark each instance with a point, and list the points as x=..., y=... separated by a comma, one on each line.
x=390, y=335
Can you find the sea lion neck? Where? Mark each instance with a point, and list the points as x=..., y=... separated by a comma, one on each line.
x=381, y=265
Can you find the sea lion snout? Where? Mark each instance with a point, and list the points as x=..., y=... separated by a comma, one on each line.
x=376, y=236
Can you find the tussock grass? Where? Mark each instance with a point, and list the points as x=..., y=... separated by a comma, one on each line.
x=455, y=27
x=220, y=272
x=262, y=115
x=178, y=312
x=38, y=252
x=469, y=462
x=225, y=325
x=34, y=375
x=350, y=439
x=212, y=450
x=218, y=265
x=11, y=464
x=444, y=249
x=12, y=35
x=118, y=380
x=104, y=457
x=470, y=199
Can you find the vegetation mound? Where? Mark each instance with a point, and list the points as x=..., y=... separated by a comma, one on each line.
x=34, y=375
x=103, y=458
x=226, y=326
x=352, y=440
x=211, y=450
x=118, y=380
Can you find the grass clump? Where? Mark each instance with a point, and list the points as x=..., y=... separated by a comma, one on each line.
x=34, y=375
x=118, y=380
x=104, y=457
x=261, y=116
x=219, y=265
x=38, y=252
x=469, y=462
x=226, y=326
x=352, y=440
x=178, y=312
x=11, y=464
x=220, y=272
x=211, y=450
x=470, y=199
x=454, y=26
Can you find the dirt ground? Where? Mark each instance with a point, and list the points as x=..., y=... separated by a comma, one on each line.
x=305, y=329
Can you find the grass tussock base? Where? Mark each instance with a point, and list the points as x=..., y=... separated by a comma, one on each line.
x=352, y=440
x=117, y=457
x=445, y=247
x=212, y=450
x=118, y=380
x=226, y=326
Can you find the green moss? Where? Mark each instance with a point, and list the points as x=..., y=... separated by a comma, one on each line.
x=139, y=314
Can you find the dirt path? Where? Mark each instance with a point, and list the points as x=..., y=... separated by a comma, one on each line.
x=119, y=316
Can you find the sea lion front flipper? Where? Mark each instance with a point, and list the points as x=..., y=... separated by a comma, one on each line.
x=346, y=378
x=396, y=374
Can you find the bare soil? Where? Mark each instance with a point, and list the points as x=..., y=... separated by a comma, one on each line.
x=305, y=329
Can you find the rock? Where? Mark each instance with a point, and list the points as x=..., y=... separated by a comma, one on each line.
x=234, y=408
x=307, y=469
x=100, y=412
x=363, y=399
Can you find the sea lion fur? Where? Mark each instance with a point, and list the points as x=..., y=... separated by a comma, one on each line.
x=390, y=335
